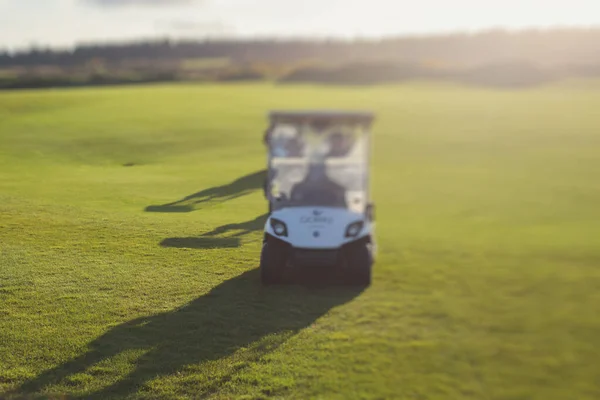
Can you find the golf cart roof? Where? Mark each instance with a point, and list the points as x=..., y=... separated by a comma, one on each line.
x=363, y=117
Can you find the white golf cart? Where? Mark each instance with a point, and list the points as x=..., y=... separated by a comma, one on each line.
x=320, y=210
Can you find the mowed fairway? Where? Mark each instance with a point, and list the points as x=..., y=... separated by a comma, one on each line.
x=130, y=230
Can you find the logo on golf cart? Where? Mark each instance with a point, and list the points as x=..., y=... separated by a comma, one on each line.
x=316, y=218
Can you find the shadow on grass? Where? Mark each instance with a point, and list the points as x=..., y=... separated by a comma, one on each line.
x=240, y=187
x=201, y=243
x=212, y=239
x=236, y=315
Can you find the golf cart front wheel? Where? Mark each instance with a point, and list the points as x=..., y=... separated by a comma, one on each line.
x=360, y=263
x=272, y=262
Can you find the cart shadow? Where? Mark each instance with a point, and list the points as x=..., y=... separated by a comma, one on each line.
x=201, y=243
x=238, y=316
x=240, y=187
x=214, y=238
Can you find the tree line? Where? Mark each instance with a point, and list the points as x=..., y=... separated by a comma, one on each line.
x=494, y=58
x=545, y=47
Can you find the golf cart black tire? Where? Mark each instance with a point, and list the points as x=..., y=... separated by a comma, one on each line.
x=360, y=263
x=272, y=262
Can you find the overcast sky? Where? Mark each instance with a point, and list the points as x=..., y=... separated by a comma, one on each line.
x=66, y=22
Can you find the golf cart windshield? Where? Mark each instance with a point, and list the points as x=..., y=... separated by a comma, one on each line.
x=312, y=165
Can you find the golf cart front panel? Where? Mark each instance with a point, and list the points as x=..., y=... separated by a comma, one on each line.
x=318, y=227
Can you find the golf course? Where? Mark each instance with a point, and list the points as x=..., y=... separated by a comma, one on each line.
x=131, y=224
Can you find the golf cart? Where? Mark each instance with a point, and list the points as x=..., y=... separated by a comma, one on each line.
x=320, y=210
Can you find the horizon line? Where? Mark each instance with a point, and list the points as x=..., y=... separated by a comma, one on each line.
x=299, y=38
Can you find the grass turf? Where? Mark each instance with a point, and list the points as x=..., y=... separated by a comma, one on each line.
x=130, y=226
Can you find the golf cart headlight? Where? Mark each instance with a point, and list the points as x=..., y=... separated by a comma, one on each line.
x=279, y=227
x=354, y=229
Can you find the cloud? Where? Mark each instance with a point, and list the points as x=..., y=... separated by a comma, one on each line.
x=151, y=3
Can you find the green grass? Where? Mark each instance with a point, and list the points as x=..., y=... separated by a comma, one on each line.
x=113, y=284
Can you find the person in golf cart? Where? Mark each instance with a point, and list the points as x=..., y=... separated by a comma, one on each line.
x=339, y=145
x=291, y=146
x=317, y=189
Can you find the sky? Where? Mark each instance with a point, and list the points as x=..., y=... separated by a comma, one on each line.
x=65, y=23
